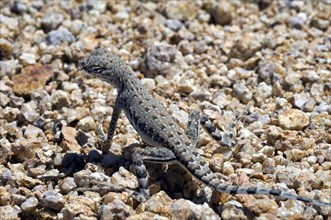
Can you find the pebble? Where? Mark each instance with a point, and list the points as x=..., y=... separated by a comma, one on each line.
x=180, y=10
x=6, y=48
x=30, y=205
x=124, y=178
x=117, y=209
x=187, y=209
x=299, y=20
x=81, y=206
x=241, y=92
x=51, y=20
x=27, y=59
x=8, y=67
x=56, y=37
x=293, y=119
x=158, y=60
x=69, y=142
x=28, y=112
x=9, y=212
x=87, y=124
x=67, y=185
x=32, y=78
x=216, y=55
x=221, y=13
x=201, y=94
x=60, y=99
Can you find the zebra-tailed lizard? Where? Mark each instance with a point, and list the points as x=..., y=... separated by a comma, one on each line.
x=160, y=131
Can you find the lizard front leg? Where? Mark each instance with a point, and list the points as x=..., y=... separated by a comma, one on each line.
x=112, y=126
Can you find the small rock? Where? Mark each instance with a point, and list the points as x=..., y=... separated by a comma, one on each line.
x=117, y=209
x=148, y=83
x=81, y=206
x=293, y=83
x=200, y=47
x=158, y=203
x=300, y=99
x=125, y=179
x=5, y=198
x=263, y=91
x=28, y=112
x=76, y=114
x=269, y=166
x=67, y=185
x=227, y=168
x=5, y=49
x=30, y=204
x=5, y=151
x=34, y=133
x=298, y=21
x=16, y=102
x=9, y=212
x=185, y=47
x=26, y=149
x=158, y=60
x=184, y=209
x=86, y=124
x=53, y=200
x=31, y=78
x=201, y=94
x=221, y=13
x=56, y=37
x=18, y=7
x=322, y=107
x=69, y=142
x=180, y=10
x=147, y=215
x=51, y=20
x=233, y=208
x=173, y=24
x=293, y=119
x=242, y=92
x=8, y=67
x=28, y=59
x=60, y=99
x=185, y=86
x=4, y=99
x=10, y=114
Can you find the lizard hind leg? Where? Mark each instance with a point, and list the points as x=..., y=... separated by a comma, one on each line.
x=155, y=154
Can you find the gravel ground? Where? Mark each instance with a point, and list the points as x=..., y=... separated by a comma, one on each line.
x=268, y=61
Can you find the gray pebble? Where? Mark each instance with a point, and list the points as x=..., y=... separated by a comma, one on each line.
x=51, y=21
x=67, y=185
x=28, y=112
x=241, y=92
x=60, y=99
x=30, y=204
x=4, y=99
x=173, y=24
x=56, y=37
x=299, y=20
x=117, y=209
x=52, y=200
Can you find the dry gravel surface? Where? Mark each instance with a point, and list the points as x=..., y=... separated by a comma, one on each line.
x=268, y=61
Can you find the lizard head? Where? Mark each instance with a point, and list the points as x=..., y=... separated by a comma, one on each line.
x=105, y=65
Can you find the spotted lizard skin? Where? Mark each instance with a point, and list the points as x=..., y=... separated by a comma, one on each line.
x=159, y=129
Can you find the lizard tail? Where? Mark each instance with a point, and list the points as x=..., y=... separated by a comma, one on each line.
x=274, y=192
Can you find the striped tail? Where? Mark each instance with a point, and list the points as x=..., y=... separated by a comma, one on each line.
x=274, y=192
x=200, y=169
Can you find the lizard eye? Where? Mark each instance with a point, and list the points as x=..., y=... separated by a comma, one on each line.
x=96, y=69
